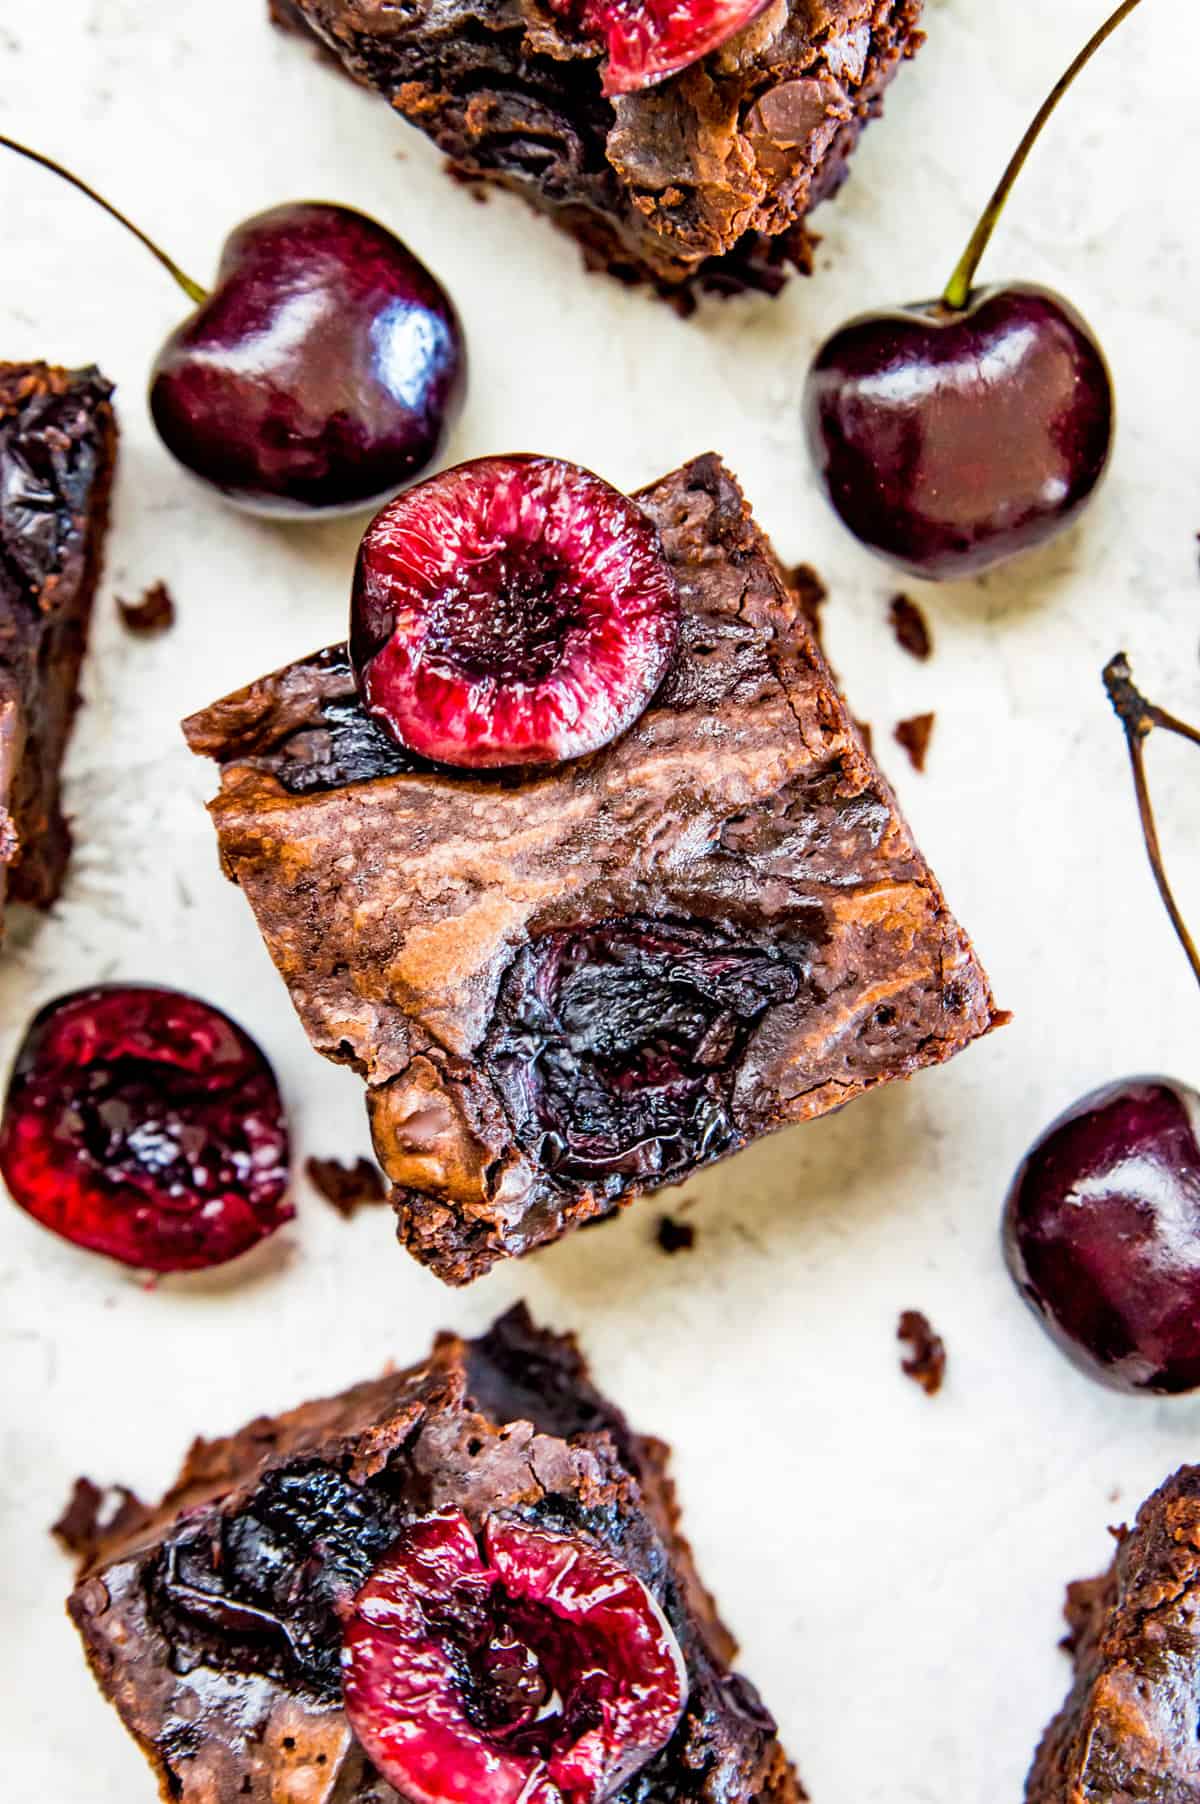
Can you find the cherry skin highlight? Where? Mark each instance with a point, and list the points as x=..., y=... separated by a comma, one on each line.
x=949, y=442
x=321, y=374
x=144, y=1124
x=530, y=1669
x=511, y=611
x=1102, y=1234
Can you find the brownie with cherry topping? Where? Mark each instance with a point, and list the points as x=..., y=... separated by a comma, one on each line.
x=567, y=986
x=58, y=442
x=1130, y=1727
x=221, y=1623
x=704, y=178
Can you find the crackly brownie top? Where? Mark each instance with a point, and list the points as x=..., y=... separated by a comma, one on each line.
x=1130, y=1728
x=215, y=1623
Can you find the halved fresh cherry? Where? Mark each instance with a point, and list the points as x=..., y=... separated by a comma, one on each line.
x=145, y=1124
x=648, y=40
x=322, y=372
x=953, y=434
x=1102, y=1234
x=535, y=1669
x=511, y=611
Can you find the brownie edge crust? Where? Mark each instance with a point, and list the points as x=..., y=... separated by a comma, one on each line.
x=212, y=1623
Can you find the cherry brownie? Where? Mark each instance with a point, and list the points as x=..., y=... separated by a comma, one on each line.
x=1130, y=1728
x=58, y=441
x=570, y=984
x=678, y=144
x=459, y=1584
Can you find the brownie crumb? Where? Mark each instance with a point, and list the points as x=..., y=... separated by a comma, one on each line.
x=926, y=1362
x=347, y=1187
x=154, y=613
x=675, y=1236
x=909, y=625
x=93, y=1516
x=812, y=595
x=914, y=735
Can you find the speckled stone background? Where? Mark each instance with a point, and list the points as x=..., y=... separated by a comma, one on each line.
x=893, y=1566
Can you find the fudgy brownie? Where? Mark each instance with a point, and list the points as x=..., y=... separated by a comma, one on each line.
x=567, y=987
x=58, y=441
x=1130, y=1728
x=215, y=1623
x=709, y=175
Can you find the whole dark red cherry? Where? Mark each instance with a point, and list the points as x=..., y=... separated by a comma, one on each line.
x=1102, y=1234
x=321, y=374
x=527, y=1666
x=145, y=1124
x=954, y=434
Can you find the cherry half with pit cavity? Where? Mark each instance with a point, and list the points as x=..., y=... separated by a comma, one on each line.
x=954, y=434
x=526, y=1667
x=322, y=372
x=511, y=611
x=145, y=1124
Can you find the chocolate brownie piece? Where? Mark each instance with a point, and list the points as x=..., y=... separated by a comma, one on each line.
x=1130, y=1728
x=505, y=958
x=706, y=178
x=58, y=441
x=215, y=1623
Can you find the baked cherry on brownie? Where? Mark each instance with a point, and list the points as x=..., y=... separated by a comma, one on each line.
x=532, y=1670
x=648, y=40
x=511, y=611
x=145, y=1124
x=321, y=373
x=954, y=434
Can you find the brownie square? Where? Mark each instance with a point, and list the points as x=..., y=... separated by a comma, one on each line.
x=732, y=874
x=704, y=179
x=1130, y=1727
x=58, y=443
x=214, y=1621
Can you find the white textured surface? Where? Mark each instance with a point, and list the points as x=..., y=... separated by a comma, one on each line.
x=893, y=1566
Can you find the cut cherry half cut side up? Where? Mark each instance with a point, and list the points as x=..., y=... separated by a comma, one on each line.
x=511, y=611
x=145, y=1124
x=648, y=40
x=524, y=1667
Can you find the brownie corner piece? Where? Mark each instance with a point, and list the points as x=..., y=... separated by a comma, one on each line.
x=58, y=440
x=1128, y=1728
x=215, y=1623
x=506, y=961
x=703, y=180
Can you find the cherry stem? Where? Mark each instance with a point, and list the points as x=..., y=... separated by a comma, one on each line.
x=958, y=288
x=1139, y=719
x=192, y=289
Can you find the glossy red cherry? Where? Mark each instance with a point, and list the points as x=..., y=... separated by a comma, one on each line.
x=955, y=434
x=648, y=40
x=145, y=1124
x=1102, y=1234
x=511, y=611
x=321, y=374
x=535, y=1669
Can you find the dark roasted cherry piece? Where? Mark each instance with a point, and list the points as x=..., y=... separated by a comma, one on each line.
x=511, y=611
x=1102, y=1234
x=648, y=40
x=954, y=434
x=323, y=371
x=145, y=1124
x=535, y=1669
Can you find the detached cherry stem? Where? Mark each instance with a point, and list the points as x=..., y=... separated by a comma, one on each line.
x=192, y=289
x=958, y=288
x=1139, y=719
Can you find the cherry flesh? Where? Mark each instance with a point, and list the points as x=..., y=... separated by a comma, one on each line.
x=531, y=1669
x=511, y=611
x=648, y=40
x=1102, y=1234
x=950, y=441
x=144, y=1124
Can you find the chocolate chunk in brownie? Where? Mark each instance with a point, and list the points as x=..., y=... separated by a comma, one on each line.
x=215, y=1627
x=58, y=441
x=1130, y=1728
x=508, y=959
x=703, y=180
